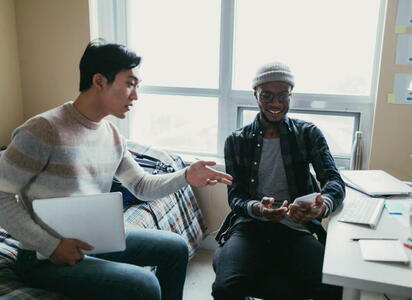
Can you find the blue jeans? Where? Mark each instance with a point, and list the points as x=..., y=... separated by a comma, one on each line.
x=118, y=275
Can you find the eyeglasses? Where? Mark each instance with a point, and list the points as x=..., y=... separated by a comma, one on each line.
x=266, y=96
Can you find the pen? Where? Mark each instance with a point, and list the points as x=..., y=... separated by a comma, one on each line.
x=377, y=239
x=407, y=245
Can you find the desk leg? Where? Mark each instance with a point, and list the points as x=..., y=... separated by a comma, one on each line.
x=350, y=294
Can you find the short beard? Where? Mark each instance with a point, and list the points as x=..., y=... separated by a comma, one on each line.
x=274, y=123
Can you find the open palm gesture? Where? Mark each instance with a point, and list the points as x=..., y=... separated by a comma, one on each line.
x=200, y=174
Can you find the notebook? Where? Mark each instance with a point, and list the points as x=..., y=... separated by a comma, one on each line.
x=384, y=251
x=375, y=183
x=95, y=219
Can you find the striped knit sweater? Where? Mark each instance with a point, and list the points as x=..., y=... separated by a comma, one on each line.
x=61, y=153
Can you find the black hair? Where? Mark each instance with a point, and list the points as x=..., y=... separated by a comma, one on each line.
x=106, y=59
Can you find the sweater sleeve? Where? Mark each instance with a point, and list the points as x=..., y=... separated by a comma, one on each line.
x=146, y=186
x=332, y=185
x=24, y=159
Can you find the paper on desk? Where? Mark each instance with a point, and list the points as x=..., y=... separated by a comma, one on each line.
x=383, y=250
x=396, y=208
x=402, y=219
x=389, y=227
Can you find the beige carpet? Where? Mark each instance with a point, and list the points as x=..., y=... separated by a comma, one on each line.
x=200, y=277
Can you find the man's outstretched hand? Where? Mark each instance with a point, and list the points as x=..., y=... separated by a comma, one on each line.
x=200, y=174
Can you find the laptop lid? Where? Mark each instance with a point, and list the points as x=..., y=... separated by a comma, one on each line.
x=95, y=219
x=375, y=182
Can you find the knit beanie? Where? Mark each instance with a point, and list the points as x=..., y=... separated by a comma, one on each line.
x=274, y=71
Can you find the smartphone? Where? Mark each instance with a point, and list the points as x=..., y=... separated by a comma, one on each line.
x=309, y=198
x=277, y=204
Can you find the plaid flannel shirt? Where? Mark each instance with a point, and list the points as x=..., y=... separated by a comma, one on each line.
x=302, y=144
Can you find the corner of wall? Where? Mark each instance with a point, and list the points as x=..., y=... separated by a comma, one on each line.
x=391, y=144
x=11, y=112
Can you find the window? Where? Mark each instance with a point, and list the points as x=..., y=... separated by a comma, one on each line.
x=339, y=136
x=176, y=55
x=199, y=58
x=172, y=126
x=178, y=40
x=328, y=53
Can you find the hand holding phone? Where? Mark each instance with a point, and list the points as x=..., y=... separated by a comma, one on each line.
x=306, y=208
x=309, y=198
x=266, y=209
x=277, y=204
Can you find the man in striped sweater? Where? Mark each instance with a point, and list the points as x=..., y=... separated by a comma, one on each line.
x=73, y=150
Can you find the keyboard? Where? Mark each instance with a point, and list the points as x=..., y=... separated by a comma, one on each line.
x=362, y=210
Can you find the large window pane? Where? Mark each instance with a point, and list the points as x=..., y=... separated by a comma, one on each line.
x=329, y=44
x=175, y=122
x=179, y=41
x=337, y=129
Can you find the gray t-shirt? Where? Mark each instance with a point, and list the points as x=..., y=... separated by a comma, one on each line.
x=272, y=178
x=271, y=174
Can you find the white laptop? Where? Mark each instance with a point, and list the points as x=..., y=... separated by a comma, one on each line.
x=375, y=183
x=95, y=219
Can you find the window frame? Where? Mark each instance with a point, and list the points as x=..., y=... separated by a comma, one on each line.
x=342, y=160
x=114, y=29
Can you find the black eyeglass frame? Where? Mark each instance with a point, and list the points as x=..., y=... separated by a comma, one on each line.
x=282, y=97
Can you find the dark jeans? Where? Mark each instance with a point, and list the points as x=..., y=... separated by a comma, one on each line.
x=116, y=275
x=270, y=261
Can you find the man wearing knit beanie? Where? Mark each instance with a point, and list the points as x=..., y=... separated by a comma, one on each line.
x=277, y=77
x=267, y=247
x=274, y=71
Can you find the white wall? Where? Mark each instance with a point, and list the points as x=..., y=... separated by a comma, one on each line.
x=392, y=130
x=52, y=35
x=11, y=112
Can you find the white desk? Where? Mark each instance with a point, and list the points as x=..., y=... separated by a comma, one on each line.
x=343, y=263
